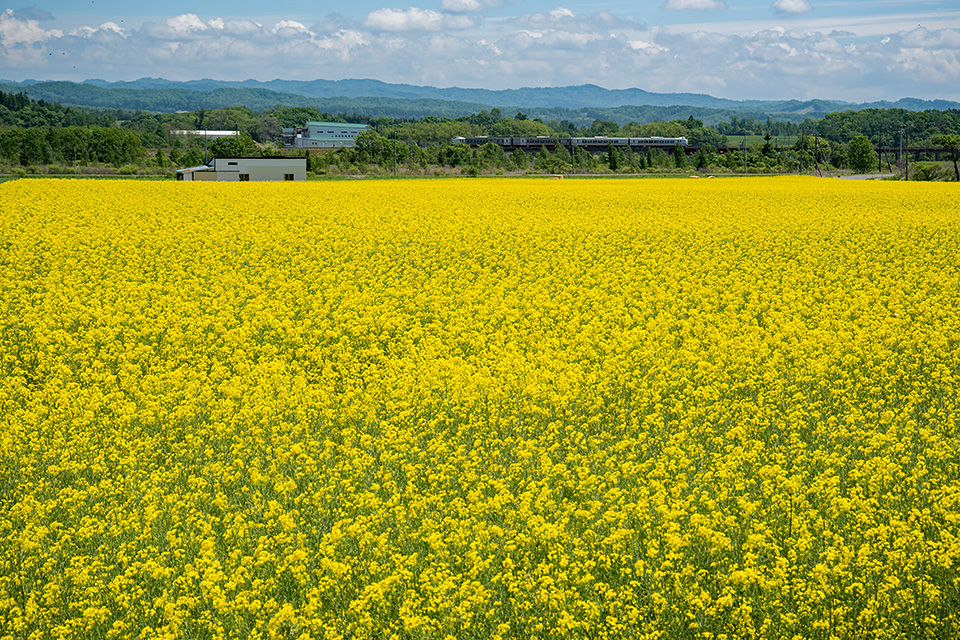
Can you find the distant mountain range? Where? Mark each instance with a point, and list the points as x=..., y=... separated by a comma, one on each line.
x=382, y=99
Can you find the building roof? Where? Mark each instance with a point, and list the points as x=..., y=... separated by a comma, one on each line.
x=210, y=133
x=202, y=167
x=211, y=166
x=345, y=125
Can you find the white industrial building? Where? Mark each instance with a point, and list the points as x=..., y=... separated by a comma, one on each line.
x=247, y=170
x=209, y=134
x=324, y=135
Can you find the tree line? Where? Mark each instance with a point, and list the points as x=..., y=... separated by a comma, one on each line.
x=43, y=133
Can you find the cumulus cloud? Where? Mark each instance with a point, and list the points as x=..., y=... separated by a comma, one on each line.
x=643, y=45
x=15, y=30
x=457, y=6
x=106, y=29
x=558, y=47
x=465, y=6
x=414, y=19
x=237, y=27
x=792, y=7
x=563, y=18
x=694, y=5
x=290, y=28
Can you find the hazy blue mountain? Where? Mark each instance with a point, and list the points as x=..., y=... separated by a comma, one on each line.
x=382, y=99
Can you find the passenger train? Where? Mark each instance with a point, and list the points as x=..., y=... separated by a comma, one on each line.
x=595, y=141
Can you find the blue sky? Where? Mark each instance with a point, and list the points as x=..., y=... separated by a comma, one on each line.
x=742, y=49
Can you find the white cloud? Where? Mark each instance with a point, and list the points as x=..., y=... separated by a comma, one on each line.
x=792, y=7
x=414, y=19
x=290, y=28
x=562, y=18
x=14, y=30
x=694, y=5
x=238, y=27
x=342, y=43
x=186, y=22
x=113, y=27
x=185, y=25
x=462, y=6
x=457, y=6
x=642, y=45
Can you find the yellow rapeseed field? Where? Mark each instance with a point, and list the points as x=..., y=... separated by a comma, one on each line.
x=468, y=409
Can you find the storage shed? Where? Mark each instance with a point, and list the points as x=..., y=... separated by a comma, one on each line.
x=253, y=169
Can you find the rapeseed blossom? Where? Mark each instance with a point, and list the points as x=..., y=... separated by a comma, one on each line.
x=479, y=409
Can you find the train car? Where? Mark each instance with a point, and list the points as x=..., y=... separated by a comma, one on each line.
x=593, y=142
x=541, y=141
x=600, y=141
x=658, y=141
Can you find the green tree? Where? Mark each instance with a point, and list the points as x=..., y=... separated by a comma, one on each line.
x=369, y=146
x=614, y=158
x=702, y=161
x=767, y=149
x=862, y=157
x=192, y=158
x=951, y=143
x=604, y=128
x=679, y=157
x=233, y=146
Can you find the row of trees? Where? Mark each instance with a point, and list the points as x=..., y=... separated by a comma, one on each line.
x=68, y=145
x=808, y=154
x=123, y=139
x=18, y=110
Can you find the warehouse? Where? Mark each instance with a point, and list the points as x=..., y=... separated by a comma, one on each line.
x=324, y=135
x=247, y=170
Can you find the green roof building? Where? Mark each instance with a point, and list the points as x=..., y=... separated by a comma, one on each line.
x=327, y=135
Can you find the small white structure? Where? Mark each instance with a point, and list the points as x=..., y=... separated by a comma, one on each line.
x=247, y=170
x=209, y=134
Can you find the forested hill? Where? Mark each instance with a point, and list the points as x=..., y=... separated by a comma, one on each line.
x=168, y=100
x=380, y=99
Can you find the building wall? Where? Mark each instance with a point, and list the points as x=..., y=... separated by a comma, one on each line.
x=310, y=143
x=333, y=130
x=259, y=169
x=327, y=135
x=255, y=170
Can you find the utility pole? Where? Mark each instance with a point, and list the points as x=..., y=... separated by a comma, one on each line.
x=906, y=157
x=816, y=154
x=901, y=144
x=394, y=153
x=800, y=144
x=744, y=153
x=573, y=155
